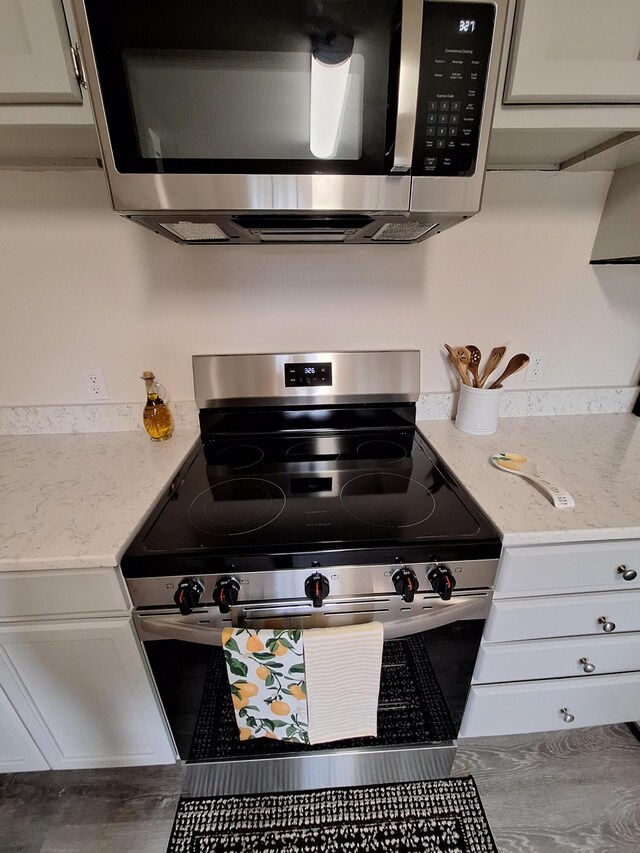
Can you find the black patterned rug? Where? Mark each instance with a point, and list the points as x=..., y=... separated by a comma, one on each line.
x=443, y=816
x=411, y=709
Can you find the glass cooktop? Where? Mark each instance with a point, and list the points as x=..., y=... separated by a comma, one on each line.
x=286, y=494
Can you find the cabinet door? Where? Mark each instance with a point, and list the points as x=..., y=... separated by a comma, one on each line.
x=83, y=691
x=599, y=614
x=542, y=706
x=575, y=52
x=35, y=54
x=18, y=751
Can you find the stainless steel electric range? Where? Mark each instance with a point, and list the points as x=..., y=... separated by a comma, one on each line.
x=312, y=501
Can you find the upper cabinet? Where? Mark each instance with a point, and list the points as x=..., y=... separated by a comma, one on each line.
x=45, y=115
x=36, y=63
x=569, y=82
x=575, y=52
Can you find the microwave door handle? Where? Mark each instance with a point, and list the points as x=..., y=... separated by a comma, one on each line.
x=409, y=79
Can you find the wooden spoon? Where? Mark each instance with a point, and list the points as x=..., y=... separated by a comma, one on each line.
x=474, y=364
x=515, y=364
x=460, y=358
x=495, y=357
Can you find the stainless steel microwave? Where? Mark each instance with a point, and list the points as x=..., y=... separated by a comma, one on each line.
x=261, y=121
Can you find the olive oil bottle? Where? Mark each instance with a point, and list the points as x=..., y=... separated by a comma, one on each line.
x=156, y=417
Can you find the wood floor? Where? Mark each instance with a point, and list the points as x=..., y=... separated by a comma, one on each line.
x=554, y=793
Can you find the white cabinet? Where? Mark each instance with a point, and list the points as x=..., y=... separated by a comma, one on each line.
x=82, y=690
x=62, y=593
x=563, y=616
x=542, y=706
x=563, y=633
x=45, y=116
x=589, y=567
x=575, y=52
x=569, y=81
x=18, y=750
x=36, y=65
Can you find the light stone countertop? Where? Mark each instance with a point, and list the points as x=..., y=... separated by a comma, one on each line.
x=596, y=458
x=75, y=500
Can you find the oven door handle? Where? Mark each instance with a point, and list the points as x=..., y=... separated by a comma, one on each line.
x=175, y=627
x=408, y=83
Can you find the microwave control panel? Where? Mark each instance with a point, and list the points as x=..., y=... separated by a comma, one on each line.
x=456, y=49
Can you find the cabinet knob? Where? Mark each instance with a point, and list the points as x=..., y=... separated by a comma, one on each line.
x=627, y=573
x=566, y=716
x=586, y=666
x=607, y=627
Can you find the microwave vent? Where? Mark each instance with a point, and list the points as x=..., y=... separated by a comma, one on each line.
x=403, y=232
x=196, y=232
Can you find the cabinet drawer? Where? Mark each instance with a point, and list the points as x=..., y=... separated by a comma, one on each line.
x=568, y=568
x=565, y=616
x=61, y=592
x=536, y=706
x=538, y=659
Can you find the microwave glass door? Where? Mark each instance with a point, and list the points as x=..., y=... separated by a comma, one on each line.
x=248, y=86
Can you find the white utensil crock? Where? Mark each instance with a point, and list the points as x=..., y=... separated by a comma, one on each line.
x=478, y=410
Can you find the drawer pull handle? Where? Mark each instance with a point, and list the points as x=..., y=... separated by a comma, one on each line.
x=607, y=627
x=627, y=573
x=566, y=716
x=586, y=666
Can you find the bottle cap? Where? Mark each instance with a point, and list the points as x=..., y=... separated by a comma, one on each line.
x=148, y=374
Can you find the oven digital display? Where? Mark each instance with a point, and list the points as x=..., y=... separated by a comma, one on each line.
x=318, y=373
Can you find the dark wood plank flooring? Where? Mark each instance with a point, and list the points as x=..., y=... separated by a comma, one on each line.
x=558, y=792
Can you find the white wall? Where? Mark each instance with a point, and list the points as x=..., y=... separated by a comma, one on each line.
x=82, y=288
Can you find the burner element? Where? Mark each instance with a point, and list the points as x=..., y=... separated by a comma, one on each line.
x=387, y=500
x=238, y=456
x=321, y=449
x=382, y=451
x=236, y=507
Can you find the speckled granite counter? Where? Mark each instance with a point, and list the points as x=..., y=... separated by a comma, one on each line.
x=74, y=501
x=594, y=457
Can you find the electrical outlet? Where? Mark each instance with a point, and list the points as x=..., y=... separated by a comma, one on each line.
x=95, y=384
x=535, y=370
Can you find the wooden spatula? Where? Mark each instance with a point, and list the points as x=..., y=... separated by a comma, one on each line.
x=495, y=357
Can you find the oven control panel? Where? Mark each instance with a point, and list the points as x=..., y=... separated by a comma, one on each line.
x=456, y=48
x=308, y=373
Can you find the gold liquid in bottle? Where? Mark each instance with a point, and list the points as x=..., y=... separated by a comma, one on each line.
x=156, y=416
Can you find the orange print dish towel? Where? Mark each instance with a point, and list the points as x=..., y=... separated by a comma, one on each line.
x=268, y=687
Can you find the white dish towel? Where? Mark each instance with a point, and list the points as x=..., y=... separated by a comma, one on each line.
x=342, y=671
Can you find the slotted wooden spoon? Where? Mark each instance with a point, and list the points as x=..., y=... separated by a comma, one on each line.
x=515, y=364
x=460, y=358
x=474, y=364
x=495, y=357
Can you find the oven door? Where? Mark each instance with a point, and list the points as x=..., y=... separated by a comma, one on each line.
x=429, y=655
x=196, y=102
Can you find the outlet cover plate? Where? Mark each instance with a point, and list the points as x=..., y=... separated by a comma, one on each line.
x=535, y=370
x=94, y=383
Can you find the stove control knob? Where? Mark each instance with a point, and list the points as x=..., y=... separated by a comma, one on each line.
x=442, y=581
x=225, y=594
x=188, y=595
x=405, y=583
x=316, y=587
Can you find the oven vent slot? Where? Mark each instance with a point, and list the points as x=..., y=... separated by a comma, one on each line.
x=196, y=232
x=403, y=232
